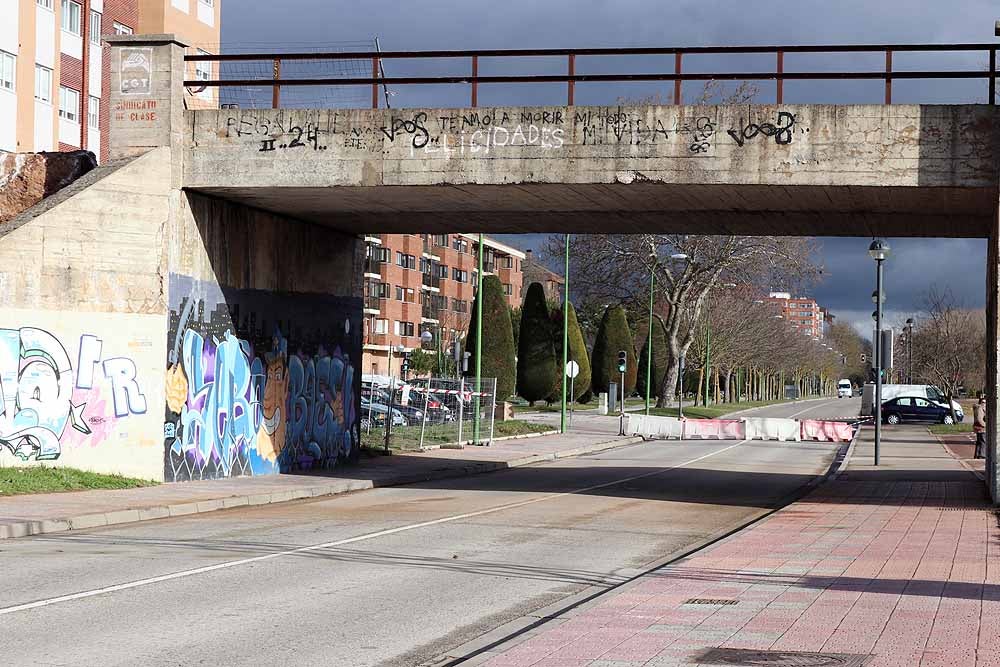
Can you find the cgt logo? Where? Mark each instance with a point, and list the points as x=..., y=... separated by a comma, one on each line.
x=37, y=387
x=136, y=65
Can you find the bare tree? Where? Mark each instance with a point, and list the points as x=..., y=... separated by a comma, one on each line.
x=949, y=345
x=687, y=269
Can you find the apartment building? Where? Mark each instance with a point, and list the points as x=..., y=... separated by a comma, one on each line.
x=426, y=282
x=535, y=272
x=55, y=70
x=802, y=313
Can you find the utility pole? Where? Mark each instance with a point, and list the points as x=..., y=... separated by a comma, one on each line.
x=565, y=359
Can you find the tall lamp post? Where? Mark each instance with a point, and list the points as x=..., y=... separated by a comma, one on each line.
x=565, y=344
x=649, y=335
x=679, y=256
x=909, y=350
x=879, y=251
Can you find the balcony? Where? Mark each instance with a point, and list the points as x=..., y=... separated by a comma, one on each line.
x=373, y=267
x=429, y=312
x=430, y=280
x=373, y=303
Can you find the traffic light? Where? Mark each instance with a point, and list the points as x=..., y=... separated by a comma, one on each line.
x=622, y=361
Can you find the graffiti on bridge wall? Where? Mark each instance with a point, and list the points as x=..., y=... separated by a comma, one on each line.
x=46, y=400
x=259, y=383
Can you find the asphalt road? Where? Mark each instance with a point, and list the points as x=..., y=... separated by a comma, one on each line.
x=389, y=576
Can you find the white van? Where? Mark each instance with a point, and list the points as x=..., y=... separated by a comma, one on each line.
x=844, y=389
x=891, y=391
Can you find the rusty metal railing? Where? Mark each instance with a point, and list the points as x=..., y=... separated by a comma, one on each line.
x=273, y=62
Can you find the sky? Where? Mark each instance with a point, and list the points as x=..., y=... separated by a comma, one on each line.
x=915, y=265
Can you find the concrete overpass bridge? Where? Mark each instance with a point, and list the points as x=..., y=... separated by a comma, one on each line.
x=253, y=202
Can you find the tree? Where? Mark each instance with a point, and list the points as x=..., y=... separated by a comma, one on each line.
x=687, y=269
x=536, y=354
x=949, y=345
x=515, y=325
x=846, y=340
x=498, y=338
x=422, y=362
x=577, y=352
x=612, y=337
x=659, y=342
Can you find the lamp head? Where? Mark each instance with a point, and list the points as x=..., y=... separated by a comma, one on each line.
x=879, y=250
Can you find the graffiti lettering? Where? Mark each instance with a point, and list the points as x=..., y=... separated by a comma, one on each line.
x=703, y=132
x=37, y=389
x=414, y=127
x=781, y=130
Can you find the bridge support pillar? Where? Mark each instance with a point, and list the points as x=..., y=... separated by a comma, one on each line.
x=993, y=351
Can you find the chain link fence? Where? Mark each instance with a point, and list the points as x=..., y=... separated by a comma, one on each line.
x=429, y=413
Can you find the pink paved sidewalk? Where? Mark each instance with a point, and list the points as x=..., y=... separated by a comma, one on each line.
x=906, y=571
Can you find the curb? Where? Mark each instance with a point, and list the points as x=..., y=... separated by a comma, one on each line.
x=116, y=517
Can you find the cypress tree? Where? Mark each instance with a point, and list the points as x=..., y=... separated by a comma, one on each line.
x=536, y=354
x=659, y=358
x=613, y=335
x=577, y=352
x=498, y=338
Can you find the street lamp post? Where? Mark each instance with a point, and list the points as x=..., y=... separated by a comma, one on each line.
x=680, y=256
x=565, y=359
x=909, y=350
x=649, y=335
x=879, y=251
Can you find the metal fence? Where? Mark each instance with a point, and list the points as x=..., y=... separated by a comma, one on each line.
x=359, y=79
x=430, y=413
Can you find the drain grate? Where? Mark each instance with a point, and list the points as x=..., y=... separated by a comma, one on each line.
x=746, y=658
x=715, y=601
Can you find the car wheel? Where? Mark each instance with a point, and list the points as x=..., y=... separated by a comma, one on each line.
x=892, y=419
x=948, y=420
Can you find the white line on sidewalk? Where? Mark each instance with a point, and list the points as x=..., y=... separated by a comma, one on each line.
x=351, y=540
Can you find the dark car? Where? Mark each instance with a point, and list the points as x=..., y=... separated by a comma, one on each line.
x=915, y=409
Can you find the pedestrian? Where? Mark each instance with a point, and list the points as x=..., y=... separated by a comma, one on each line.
x=979, y=424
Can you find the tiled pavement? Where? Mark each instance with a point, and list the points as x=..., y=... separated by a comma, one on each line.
x=892, y=563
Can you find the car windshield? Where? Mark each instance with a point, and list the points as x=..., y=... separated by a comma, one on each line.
x=935, y=394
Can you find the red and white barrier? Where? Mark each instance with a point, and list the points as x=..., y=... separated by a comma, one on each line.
x=718, y=429
x=651, y=426
x=767, y=428
x=826, y=431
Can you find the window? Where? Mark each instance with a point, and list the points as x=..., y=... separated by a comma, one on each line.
x=121, y=28
x=441, y=240
x=47, y=4
x=43, y=84
x=69, y=104
x=405, y=294
x=404, y=329
x=377, y=290
x=507, y=262
x=459, y=306
x=7, y=68
x=95, y=27
x=94, y=113
x=71, y=16
x=460, y=244
x=380, y=254
x=507, y=289
x=203, y=68
x=921, y=403
x=381, y=326
x=406, y=261
x=442, y=271
x=460, y=276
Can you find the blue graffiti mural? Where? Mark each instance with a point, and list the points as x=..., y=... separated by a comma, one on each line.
x=239, y=403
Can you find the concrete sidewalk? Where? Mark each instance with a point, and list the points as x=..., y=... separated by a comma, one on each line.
x=898, y=565
x=53, y=512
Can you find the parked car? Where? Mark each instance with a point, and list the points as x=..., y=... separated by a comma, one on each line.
x=916, y=409
x=378, y=412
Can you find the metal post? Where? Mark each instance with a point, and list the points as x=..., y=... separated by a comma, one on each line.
x=565, y=356
x=572, y=393
x=493, y=412
x=388, y=414
x=888, y=79
x=708, y=358
x=649, y=340
x=621, y=410
x=878, y=359
x=375, y=62
x=475, y=81
x=571, y=85
x=276, y=89
x=479, y=343
x=677, y=81
x=461, y=406
x=993, y=76
x=780, y=97
x=427, y=408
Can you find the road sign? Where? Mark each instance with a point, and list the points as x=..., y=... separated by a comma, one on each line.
x=572, y=369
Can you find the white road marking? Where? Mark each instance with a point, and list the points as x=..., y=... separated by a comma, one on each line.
x=337, y=543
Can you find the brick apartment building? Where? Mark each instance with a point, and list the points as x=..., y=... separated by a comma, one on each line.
x=426, y=282
x=55, y=70
x=803, y=313
x=535, y=272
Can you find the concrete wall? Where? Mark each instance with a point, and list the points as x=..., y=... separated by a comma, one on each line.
x=263, y=366
x=83, y=316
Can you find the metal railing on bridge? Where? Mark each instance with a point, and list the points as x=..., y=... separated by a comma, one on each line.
x=276, y=71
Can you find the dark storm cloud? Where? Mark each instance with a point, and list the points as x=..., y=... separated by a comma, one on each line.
x=438, y=24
